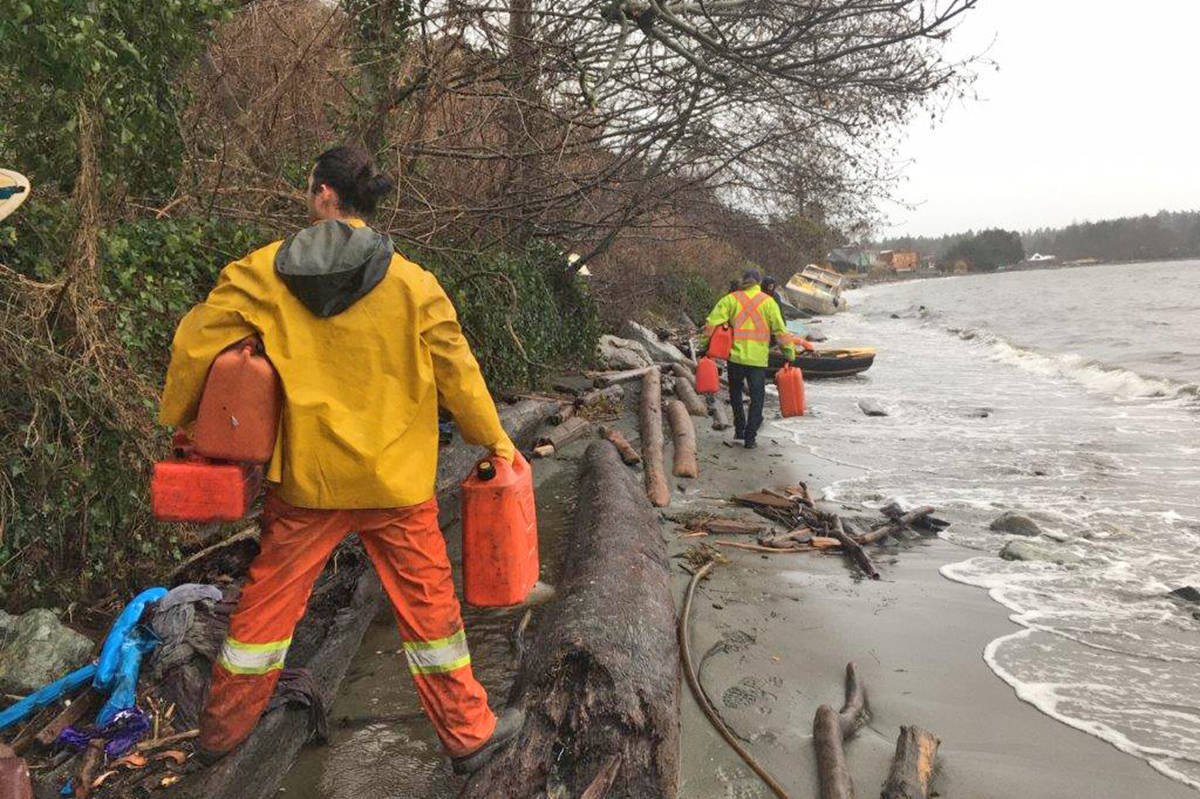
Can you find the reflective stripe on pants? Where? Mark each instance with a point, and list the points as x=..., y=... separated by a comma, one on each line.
x=408, y=551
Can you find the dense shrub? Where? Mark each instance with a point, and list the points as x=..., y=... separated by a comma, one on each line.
x=523, y=313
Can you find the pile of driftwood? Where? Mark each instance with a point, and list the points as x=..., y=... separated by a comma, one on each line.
x=805, y=528
x=912, y=765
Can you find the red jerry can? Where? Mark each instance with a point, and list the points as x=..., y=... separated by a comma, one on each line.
x=239, y=409
x=500, y=537
x=190, y=489
x=790, y=382
x=707, y=379
x=720, y=344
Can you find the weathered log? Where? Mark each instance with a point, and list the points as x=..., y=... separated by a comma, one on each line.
x=720, y=416
x=853, y=549
x=731, y=527
x=683, y=435
x=687, y=394
x=893, y=527
x=831, y=758
x=565, y=411
x=614, y=394
x=765, y=499
x=626, y=450
x=912, y=766
x=681, y=371
x=559, y=437
x=830, y=730
x=603, y=379
x=600, y=677
x=657, y=488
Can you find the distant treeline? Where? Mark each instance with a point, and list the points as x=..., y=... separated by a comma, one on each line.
x=1165, y=235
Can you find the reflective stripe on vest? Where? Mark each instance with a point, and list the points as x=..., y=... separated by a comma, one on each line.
x=438, y=657
x=751, y=313
x=241, y=658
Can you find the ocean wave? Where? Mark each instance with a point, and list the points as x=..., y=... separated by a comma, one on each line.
x=1095, y=377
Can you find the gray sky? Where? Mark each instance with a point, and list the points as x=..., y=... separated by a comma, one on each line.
x=1092, y=114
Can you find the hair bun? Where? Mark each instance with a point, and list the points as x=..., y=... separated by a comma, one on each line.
x=380, y=185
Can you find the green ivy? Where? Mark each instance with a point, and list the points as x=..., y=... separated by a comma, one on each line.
x=120, y=59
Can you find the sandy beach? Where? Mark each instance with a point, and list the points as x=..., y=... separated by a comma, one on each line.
x=779, y=630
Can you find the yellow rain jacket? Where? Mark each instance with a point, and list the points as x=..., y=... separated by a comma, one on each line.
x=366, y=344
x=753, y=325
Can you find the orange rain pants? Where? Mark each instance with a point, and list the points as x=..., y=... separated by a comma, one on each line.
x=407, y=549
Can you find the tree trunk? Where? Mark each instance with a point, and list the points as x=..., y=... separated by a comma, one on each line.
x=684, y=436
x=600, y=679
x=612, y=394
x=628, y=454
x=853, y=550
x=572, y=429
x=602, y=379
x=657, y=487
x=912, y=767
x=686, y=392
x=720, y=415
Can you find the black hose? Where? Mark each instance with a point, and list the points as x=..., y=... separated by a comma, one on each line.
x=685, y=654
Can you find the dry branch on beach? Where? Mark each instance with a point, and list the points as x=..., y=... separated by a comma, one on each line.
x=830, y=729
x=683, y=435
x=657, y=488
x=912, y=766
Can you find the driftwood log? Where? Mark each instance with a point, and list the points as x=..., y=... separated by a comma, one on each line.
x=571, y=430
x=830, y=729
x=720, y=415
x=565, y=411
x=628, y=454
x=853, y=550
x=600, y=678
x=912, y=767
x=681, y=371
x=614, y=394
x=657, y=488
x=603, y=379
x=683, y=434
x=893, y=527
x=686, y=392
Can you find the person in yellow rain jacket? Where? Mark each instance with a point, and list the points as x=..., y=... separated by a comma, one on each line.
x=754, y=317
x=366, y=345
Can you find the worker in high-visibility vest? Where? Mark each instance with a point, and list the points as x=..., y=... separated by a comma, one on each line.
x=754, y=318
x=367, y=346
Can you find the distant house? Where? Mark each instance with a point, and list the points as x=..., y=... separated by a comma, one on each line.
x=851, y=259
x=900, y=260
x=1038, y=258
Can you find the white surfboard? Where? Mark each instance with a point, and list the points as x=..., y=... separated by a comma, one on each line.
x=11, y=202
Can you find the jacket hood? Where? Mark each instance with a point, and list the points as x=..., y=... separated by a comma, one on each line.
x=332, y=265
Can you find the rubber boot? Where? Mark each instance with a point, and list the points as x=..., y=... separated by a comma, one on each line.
x=508, y=725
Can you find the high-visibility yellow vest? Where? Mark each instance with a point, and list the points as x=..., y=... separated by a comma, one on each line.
x=754, y=317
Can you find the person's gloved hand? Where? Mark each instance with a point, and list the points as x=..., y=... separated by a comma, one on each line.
x=504, y=448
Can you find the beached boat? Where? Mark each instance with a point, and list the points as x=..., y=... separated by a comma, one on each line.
x=815, y=289
x=828, y=363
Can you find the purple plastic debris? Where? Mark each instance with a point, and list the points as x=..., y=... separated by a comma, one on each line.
x=126, y=729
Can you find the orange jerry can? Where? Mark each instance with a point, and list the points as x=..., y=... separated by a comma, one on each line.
x=197, y=490
x=790, y=382
x=239, y=409
x=500, y=537
x=707, y=379
x=720, y=344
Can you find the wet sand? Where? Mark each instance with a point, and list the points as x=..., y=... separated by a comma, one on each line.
x=779, y=629
x=774, y=633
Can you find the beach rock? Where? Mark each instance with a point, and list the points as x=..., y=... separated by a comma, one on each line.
x=1014, y=524
x=613, y=352
x=979, y=413
x=659, y=350
x=871, y=408
x=1187, y=593
x=1029, y=551
x=38, y=649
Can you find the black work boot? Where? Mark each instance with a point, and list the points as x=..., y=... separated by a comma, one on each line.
x=738, y=435
x=751, y=443
x=508, y=725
